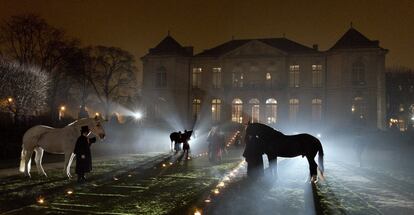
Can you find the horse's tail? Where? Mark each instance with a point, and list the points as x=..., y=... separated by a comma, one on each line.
x=320, y=158
x=30, y=138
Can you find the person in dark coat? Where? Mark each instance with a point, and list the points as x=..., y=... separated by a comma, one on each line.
x=83, y=154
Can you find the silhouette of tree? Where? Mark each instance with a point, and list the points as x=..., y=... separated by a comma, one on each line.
x=23, y=89
x=111, y=74
x=31, y=42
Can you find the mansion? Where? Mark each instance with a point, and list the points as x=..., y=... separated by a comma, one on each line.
x=274, y=81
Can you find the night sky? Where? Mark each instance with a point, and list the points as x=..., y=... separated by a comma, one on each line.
x=137, y=25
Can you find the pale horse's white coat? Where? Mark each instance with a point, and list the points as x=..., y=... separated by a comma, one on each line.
x=55, y=140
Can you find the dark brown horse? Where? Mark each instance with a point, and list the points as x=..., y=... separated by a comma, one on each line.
x=261, y=139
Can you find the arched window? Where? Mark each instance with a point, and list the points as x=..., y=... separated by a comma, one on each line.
x=255, y=105
x=271, y=110
x=237, y=110
x=161, y=77
x=215, y=110
x=316, y=109
x=196, y=108
x=358, y=73
x=293, y=109
x=197, y=77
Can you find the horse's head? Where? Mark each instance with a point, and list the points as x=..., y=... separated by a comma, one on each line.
x=254, y=146
x=187, y=135
x=94, y=124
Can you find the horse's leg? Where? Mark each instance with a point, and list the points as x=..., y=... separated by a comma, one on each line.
x=28, y=162
x=273, y=166
x=38, y=159
x=69, y=165
x=65, y=167
x=312, y=168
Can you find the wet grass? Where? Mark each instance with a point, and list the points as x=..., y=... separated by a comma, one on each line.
x=155, y=190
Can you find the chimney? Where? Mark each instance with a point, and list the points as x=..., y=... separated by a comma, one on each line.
x=315, y=46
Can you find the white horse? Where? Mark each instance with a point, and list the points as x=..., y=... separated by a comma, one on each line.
x=55, y=140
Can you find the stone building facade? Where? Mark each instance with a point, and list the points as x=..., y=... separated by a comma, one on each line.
x=400, y=99
x=275, y=81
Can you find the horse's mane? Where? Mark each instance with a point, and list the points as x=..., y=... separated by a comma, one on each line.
x=79, y=121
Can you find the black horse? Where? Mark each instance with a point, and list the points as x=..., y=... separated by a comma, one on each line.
x=177, y=138
x=261, y=139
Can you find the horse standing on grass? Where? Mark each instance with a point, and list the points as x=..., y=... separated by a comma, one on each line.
x=261, y=139
x=42, y=138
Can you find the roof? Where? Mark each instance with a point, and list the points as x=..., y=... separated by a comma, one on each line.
x=282, y=44
x=169, y=46
x=354, y=39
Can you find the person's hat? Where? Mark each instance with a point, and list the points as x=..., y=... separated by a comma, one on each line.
x=84, y=129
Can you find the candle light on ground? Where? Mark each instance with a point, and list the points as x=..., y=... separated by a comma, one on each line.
x=40, y=200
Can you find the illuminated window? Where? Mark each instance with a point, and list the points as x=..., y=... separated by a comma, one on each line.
x=317, y=75
x=216, y=77
x=316, y=109
x=271, y=110
x=237, y=110
x=294, y=76
x=197, y=77
x=161, y=77
x=215, y=109
x=268, y=76
x=196, y=108
x=358, y=73
x=271, y=76
x=293, y=109
x=255, y=105
x=358, y=108
x=237, y=78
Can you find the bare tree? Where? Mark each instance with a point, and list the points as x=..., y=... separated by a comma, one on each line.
x=23, y=89
x=111, y=70
x=30, y=41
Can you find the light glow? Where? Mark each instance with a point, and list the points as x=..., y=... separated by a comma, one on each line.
x=137, y=115
x=40, y=200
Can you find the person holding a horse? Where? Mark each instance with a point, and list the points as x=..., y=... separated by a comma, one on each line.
x=83, y=154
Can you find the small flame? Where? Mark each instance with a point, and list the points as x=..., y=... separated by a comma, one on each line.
x=40, y=200
x=216, y=191
x=69, y=192
x=197, y=212
x=163, y=165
